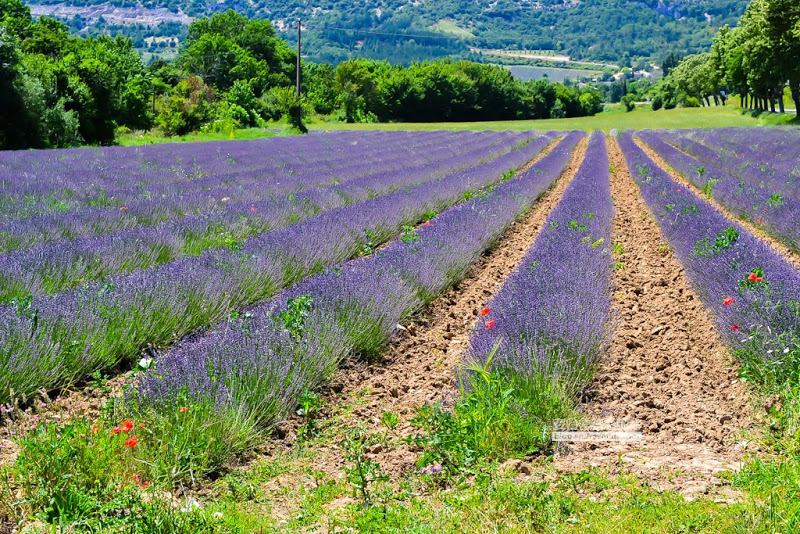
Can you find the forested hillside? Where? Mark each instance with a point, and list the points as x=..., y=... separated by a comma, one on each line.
x=608, y=30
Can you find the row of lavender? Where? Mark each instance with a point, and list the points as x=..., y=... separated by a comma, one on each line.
x=753, y=291
x=52, y=341
x=64, y=180
x=79, y=175
x=760, y=202
x=234, y=192
x=768, y=154
x=53, y=267
x=551, y=321
x=246, y=375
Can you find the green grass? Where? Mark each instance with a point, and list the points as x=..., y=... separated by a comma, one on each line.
x=149, y=138
x=641, y=117
x=614, y=117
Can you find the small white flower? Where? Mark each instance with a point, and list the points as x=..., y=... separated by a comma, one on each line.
x=786, y=350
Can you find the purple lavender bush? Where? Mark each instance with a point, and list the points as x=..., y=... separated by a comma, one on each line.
x=757, y=201
x=53, y=341
x=350, y=310
x=752, y=291
x=53, y=267
x=550, y=323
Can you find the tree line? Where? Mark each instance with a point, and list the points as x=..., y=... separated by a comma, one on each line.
x=59, y=90
x=756, y=60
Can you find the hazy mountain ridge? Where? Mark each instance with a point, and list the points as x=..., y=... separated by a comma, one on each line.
x=607, y=30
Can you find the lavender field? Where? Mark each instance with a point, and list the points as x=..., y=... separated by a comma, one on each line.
x=431, y=302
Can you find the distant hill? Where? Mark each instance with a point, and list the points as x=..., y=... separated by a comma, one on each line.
x=615, y=31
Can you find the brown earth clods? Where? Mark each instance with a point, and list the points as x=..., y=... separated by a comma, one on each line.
x=666, y=367
x=419, y=363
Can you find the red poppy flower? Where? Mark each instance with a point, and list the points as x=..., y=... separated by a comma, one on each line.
x=728, y=301
x=124, y=208
x=131, y=442
x=128, y=424
x=491, y=324
x=116, y=430
x=95, y=429
x=427, y=223
x=142, y=425
x=485, y=312
x=183, y=409
x=760, y=279
x=752, y=277
x=734, y=327
x=253, y=209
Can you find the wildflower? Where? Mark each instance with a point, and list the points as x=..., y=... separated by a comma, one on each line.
x=491, y=324
x=123, y=208
x=427, y=223
x=183, y=409
x=95, y=429
x=128, y=425
x=760, y=279
x=734, y=327
x=431, y=469
x=752, y=277
x=131, y=442
x=142, y=425
x=116, y=430
x=252, y=209
x=485, y=312
x=728, y=301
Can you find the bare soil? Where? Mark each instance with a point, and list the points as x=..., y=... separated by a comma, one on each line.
x=419, y=364
x=666, y=367
x=790, y=255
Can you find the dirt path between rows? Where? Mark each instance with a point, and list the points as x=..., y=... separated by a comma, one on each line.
x=666, y=366
x=418, y=365
x=790, y=255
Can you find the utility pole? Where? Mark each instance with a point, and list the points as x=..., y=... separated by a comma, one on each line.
x=299, y=108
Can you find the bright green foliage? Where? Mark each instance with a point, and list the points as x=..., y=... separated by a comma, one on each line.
x=755, y=60
x=60, y=91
